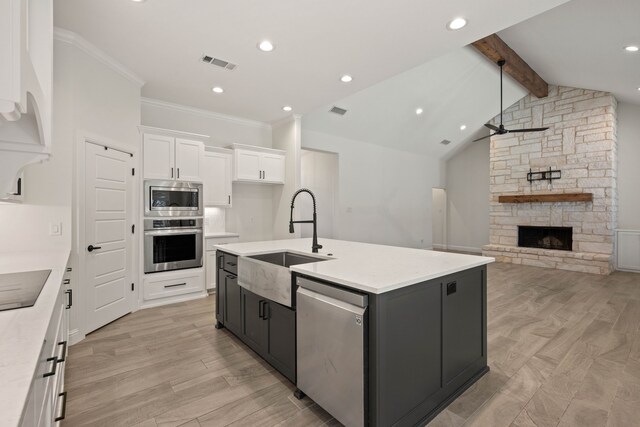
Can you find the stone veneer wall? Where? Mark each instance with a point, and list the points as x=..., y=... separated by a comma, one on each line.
x=581, y=142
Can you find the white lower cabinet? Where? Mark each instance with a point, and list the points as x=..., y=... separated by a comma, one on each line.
x=173, y=284
x=47, y=402
x=210, y=257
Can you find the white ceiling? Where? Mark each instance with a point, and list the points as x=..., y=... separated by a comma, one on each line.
x=316, y=42
x=460, y=88
x=580, y=44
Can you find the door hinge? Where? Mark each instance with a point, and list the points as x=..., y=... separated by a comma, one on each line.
x=133, y=286
x=133, y=229
x=133, y=171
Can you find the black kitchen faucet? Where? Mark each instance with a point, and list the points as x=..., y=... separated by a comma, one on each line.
x=315, y=246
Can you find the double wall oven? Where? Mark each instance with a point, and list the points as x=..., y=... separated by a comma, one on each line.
x=173, y=226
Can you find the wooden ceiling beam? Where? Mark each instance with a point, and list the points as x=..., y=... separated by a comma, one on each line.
x=494, y=48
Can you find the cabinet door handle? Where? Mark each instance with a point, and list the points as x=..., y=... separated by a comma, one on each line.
x=267, y=310
x=261, y=309
x=64, y=351
x=452, y=288
x=66, y=281
x=177, y=284
x=69, y=269
x=229, y=199
x=171, y=172
x=63, y=413
x=264, y=174
x=178, y=173
x=54, y=366
x=70, y=303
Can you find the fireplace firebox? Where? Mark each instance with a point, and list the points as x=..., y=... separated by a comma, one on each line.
x=556, y=238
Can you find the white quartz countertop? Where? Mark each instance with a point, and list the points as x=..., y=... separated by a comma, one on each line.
x=371, y=268
x=22, y=331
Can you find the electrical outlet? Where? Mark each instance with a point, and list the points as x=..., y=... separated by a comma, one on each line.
x=55, y=229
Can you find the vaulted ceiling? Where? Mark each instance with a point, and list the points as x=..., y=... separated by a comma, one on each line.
x=315, y=43
x=581, y=44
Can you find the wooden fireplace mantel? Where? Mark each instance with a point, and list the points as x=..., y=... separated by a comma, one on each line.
x=547, y=198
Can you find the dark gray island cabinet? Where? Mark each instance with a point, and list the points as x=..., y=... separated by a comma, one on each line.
x=368, y=353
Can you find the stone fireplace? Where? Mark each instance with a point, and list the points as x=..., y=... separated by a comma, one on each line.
x=580, y=143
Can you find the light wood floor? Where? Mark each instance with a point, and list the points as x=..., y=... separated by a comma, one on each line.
x=564, y=350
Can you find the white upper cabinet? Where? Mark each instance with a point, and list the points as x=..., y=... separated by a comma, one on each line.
x=217, y=171
x=189, y=158
x=26, y=74
x=272, y=168
x=257, y=164
x=159, y=154
x=168, y=156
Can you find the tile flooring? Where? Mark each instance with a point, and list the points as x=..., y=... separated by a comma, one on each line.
x=564, y=350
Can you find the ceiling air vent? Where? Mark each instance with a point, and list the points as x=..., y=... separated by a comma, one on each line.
x=445, y=142
x=338, y=110
x=218, y=62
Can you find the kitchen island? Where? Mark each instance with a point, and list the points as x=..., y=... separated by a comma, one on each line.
x=376, y=335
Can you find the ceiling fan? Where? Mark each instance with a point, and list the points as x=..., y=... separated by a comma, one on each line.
x=501, y=130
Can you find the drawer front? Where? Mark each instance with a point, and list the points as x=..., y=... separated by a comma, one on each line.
x=154, y=289
x=230, y=263
x=211, y=243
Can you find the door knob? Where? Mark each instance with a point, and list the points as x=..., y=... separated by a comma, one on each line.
x=92, y=248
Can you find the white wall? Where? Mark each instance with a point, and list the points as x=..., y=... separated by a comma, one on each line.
x=252, y=213
x=88, y=96
x=468, y=198
x=223, y=130
x=384, y=194
x=628, y=169
x=320, y=175
x=286, y=136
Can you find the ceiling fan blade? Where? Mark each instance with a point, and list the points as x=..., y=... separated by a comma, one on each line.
x=492, y=127
x=528, y=130
x=484, y=137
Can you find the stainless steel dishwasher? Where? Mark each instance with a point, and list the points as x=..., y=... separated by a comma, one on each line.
x=331, y=351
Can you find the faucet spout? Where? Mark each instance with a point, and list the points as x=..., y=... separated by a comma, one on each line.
x=315, y=246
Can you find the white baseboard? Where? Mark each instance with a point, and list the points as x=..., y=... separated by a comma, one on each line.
x=464, y=249
x=173, y=300
x=438, y=246
x=75, y=336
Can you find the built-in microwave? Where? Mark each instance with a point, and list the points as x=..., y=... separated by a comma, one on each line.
x=172, y=198
x=172, y=244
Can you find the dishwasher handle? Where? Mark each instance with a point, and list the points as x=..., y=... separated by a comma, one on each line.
x=336, y=303
x=332, y=292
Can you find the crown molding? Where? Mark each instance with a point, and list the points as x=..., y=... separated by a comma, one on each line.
x=172, y=132
x=96, y=53
x=203, y=113
x=285, y=120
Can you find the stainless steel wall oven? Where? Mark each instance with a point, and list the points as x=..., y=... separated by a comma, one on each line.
x=172, y=244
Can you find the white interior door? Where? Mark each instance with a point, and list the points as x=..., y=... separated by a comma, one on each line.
x=439, y=218
x=108, y=242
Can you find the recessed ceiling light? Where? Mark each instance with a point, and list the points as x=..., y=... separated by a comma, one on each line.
x=463, y=127
x=457, y=23
x=346, y=78
x=217, y=89
x=138, y=1
x=266, y=46
x=631, y=48
x=418, y=111
x=287, y=108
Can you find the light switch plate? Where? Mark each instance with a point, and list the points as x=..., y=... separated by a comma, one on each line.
x=55, y=229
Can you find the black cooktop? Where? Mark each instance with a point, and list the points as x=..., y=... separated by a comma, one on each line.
x=19, y=290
